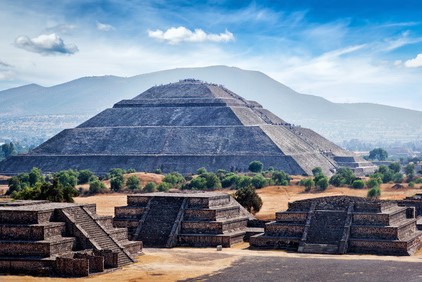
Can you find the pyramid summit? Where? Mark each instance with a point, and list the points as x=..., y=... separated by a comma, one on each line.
x=183, y=126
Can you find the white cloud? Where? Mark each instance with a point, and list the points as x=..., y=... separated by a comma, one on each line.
x=46, y=44
x=6, y=75
x=414, y=63
x=62, y=28
x=175, y=35
x=4, y=64
x=104, y=27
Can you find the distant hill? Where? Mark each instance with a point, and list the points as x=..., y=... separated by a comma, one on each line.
x=87, y=96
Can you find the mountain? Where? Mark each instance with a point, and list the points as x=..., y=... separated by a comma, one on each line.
x=87, y=96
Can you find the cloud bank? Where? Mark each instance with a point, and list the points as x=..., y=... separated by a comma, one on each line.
x=175, y=35
x=414, y=63
x=46, y=44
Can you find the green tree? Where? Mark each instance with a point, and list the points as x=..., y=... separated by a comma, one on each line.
x=150, y=187
x=117, y=182
x=373, y=182
x=322, y=183
x=249, y=199
x=358, y=184
x=395, y=167
x=378, y=154
x=174, y=178
x=84, y=176
x=243, y=181
x=67, y=177
x=308, y=183
x=201, y=170
x=255, y=166
x=280, y=178
x=259, y=181
x=198, y=183
x=343, y=176
x=35, y=176
x=133, y=183
x=164, y=187
x=409, y=170
x=374, y=192
x=398, y=177
x=116, y=172
x=96, y=186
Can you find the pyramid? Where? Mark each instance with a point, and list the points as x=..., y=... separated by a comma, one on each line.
x=183, y=126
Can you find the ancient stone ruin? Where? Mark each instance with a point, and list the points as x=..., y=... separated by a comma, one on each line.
x=184, y=126
x=342, y=224
x=183, y=219
x=60, y=239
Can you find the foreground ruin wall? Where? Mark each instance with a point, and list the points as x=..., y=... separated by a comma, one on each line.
x=343, y=224
x=183, y=219
x=60, y=239
x=181, y=127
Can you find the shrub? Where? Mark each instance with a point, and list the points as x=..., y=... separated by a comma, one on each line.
x=116, y=172
x=243, y=181
x=96, y=186
x=259, y=181
x=418, y=180
x=411, y=184
x=395, y=167
x=280, y=178
x=164, y=187
x=308, y=183
x=84, y=176
x=198, y=183
x=249, y=199
x=131, y=170
x=374, y=192
x=67, y=177
x=35, y=176
x=150, y=187
x=373, y=182
x=117, y=183
x=358, y=184
x=398, y=177
x=255, y=166
x=158, y=171
x=174, y=178
x=133, y=183
x=322, y=183
x=343, y=176
x=316, y=171
x=229, y=180
x=201, y=170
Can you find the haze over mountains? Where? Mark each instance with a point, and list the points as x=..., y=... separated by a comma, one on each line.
x=36, y=111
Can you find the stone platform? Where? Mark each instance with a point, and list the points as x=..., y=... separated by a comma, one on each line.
x=200, y=219
x=60, y=239
x=342, y=224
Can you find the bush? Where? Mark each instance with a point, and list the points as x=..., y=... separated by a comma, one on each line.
x=84, y=176
x=395, y=167
x=308, y=183
x=131, y=170
x=411, y=184
x=374, y=192
x=67, y=177
x=150, y=187
x=164, y=187
x=35, y=176
x=96, y=186
x=249, y=199
x=116, y=172
x=316, y=171
x=259, y=181
x=117, y=183
x=398, y=178
x=201, y=170
x=344, y=176
x=418, y=180
x=198, y=183
x=255, y=166
x=158, y=171
x=358, y=184
x=322, y=183
x=373, y=182
x=174, y=178
x=280, y=178
x=243, y=181
x=133, y=183
x=229, y=180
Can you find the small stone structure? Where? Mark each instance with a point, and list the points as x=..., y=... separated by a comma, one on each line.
x=342, y=224
x=60, y=239
x=183, y=219
x=413, y=201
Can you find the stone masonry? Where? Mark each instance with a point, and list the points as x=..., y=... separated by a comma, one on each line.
x=60, y=239
x=343, y=224
x=183, y=219
x=184, y=126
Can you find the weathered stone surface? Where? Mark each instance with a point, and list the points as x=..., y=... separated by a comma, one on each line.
x=181, y=127
x=60, y=238
x=341, y=224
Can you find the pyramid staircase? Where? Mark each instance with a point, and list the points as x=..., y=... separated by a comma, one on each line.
x=183, y=219
x=44, y=238
x=341, y=224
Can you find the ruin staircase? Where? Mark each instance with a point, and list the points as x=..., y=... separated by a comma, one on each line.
x=97, y=235
x=338, y=223
x=156, y=225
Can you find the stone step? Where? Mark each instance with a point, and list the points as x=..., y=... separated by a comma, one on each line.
x=318, y=248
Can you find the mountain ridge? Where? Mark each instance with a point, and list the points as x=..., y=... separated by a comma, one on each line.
x=90, y=95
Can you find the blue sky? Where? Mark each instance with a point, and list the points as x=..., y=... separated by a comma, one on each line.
x=345, y=51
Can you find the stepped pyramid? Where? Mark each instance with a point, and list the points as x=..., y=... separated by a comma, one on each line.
x=343, y=224
x=183, y=126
